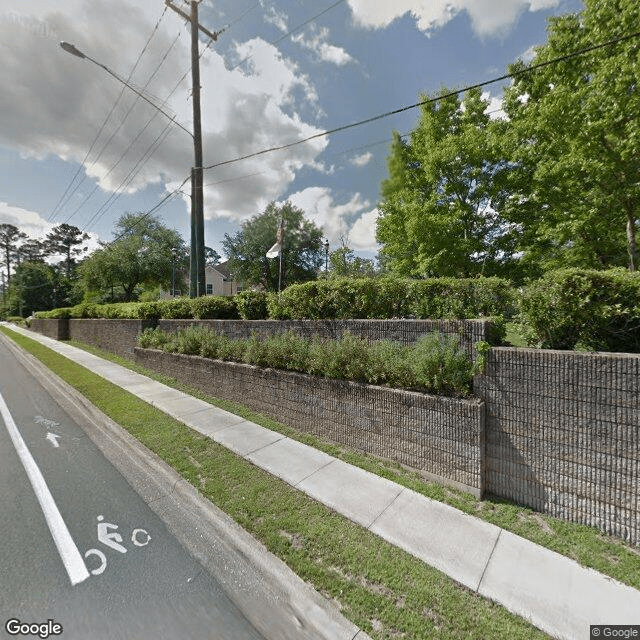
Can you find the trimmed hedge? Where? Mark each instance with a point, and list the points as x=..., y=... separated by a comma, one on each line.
x=435, y=363
x=595, y=310
x=206, y=307
x=385, y=298
x=339, y=298
x=252, y=305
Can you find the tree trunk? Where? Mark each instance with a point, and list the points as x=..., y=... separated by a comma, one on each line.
x=631, y=239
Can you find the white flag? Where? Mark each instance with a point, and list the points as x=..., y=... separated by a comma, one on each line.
x=274, y=252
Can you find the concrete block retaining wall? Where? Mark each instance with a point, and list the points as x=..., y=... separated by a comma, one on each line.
x=117, y=336
x=560, y=432
x=563, y=434
x=58, y=328
x=439, y=436
x=403, y=331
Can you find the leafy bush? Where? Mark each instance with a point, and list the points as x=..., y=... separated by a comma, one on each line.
x=384, y=298
x=55, y=314
x=153, y=339
x=598, y=310
x=176, y=308
x=252, y=305
x=435, y=363
x=214, y=308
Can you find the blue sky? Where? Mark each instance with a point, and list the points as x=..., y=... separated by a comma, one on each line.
x=261, y=87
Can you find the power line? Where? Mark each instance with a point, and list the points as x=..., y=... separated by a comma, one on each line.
x=151, y=149
x=154, y=208
x=143, y=217
x=427, y=101
x=292, y=31
x=95, y=140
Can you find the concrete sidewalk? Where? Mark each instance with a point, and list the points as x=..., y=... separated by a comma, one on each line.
x=553, y=592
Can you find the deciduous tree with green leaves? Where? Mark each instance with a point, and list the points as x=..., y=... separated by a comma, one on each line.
x=438, y=214
x=302, y=253
x=574, y=138
x=140, y=255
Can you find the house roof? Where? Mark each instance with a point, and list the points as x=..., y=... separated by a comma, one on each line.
x=222, y=269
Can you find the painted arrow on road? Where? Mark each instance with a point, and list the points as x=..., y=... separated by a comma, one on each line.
x=52, y=438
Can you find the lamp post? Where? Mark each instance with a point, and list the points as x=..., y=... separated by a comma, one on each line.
x=174, y=255
x=326, y=256
x=197, y=287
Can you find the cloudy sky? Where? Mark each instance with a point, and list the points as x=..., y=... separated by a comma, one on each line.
x=77, y=147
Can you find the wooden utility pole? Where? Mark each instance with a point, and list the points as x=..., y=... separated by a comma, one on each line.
x=197, y=273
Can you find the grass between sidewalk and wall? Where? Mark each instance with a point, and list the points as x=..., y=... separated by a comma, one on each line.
x=382, y=589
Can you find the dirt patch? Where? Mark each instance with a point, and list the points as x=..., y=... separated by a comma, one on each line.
x=296, y=540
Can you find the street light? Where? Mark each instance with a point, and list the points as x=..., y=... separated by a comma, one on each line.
x=174, y=256
x=326, y=256
x=197, y=218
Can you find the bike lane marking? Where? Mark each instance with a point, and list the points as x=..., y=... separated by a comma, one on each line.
x=71, y=557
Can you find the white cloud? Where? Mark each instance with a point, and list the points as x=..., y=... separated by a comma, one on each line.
x=494, y=109
x=361, y=160
x=363, y=233
x=316, y=42
x=277, y=18
x=350, y=220
x=31, y=223
x=54, y=104
x=488, y=17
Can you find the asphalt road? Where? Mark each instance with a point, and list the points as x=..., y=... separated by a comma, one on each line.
x=78, y=545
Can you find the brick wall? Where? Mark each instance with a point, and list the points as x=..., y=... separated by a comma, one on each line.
x=117, y=336
x=563, y=434
x=442, y=437
x=56, y=328
x=403, y=331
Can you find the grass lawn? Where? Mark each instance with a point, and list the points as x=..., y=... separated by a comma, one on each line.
x=380, y=588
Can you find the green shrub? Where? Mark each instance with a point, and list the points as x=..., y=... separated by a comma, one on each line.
x=153, y=339
x=214, y=308
x=55, y=314
x=598, y=310
x=176, y=308
x=435, y=363
x=436, y=298
x=151, y=310
x=252, y=305
x=288, y=350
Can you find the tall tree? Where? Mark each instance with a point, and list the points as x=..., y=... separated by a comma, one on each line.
x=344, y=262
x=302, y=252
x=141, y=254
x=32, y=288
x=10, y=236
x=439, y=205
x=32, y=250
x=66, y=240
x=574, y=136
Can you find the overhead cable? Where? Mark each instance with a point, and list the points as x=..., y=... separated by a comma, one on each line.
x=427, y=101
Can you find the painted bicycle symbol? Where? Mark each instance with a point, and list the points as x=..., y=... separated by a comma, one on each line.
x=108, y=535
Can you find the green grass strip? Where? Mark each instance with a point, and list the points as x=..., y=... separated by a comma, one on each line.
x=383, y=590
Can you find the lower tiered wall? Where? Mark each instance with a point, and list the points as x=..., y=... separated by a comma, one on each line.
x=442, y=437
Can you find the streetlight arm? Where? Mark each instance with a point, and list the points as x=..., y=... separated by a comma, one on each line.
x=69, y=48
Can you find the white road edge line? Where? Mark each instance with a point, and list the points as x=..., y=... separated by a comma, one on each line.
x=71, y=557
